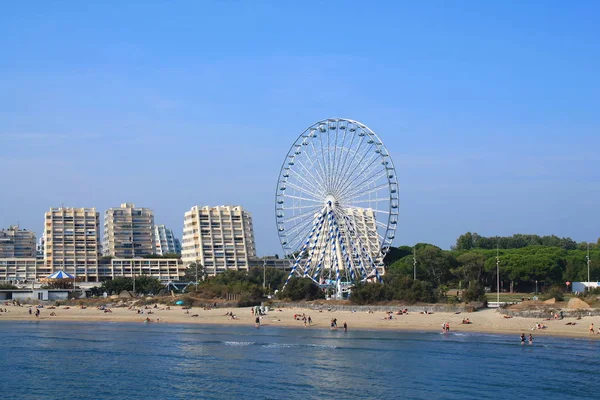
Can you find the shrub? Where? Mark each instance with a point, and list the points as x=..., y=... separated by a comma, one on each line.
x=299, y=289
x=555, y=292
x=474, y=293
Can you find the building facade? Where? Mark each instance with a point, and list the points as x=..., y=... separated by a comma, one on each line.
x=166, y=242
x=18, y=269
x=72, y=242
x=128, y=232
x=164, y=269
x=272, y=262
x=219, y=238
x=16, y=243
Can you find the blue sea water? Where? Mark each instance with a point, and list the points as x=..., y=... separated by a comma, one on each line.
x=60, y=360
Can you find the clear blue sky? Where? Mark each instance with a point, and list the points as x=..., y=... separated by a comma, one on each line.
x=490, y=110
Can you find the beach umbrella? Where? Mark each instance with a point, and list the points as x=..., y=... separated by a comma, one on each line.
x=179, y=302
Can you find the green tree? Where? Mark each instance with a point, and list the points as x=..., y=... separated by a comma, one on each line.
x=193, y=272
x=299, y=289
x=471, y=268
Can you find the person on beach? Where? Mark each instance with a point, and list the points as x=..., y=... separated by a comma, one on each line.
x=30, y=311
x=447, y=326
x=257, y=321
x=530, y=339
x=522, y=338
x=592, y=328
x=443, y=327
x=345, y=327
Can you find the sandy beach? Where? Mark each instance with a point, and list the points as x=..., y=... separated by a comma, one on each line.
x=484, y=321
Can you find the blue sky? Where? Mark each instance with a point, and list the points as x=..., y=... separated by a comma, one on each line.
x=489, y=109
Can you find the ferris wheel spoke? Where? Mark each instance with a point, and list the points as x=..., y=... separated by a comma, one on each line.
x=300, y=235
x=313, y=186
x=333, y=156
x=309, y=168
x=342, y=170
x=341, y=146
x=313, y=206
x=318, y=161
x=304, y=214
x=376, y=200
x=352, y=165
x=303, y=190
x=358, y=190
x=291, y=196
x=369, y=165
x=315, y=183
x=371, y=159
x=324, y=156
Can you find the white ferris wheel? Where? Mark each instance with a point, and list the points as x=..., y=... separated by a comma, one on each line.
x=337, y=204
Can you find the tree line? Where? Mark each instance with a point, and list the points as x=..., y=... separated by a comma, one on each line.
x=522, y=260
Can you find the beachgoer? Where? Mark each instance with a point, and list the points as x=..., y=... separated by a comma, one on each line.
x=257, y=321
x=592, y=328
x=309, y=320
x=30, y=311
x=530, y=338
x=522, y=338
x=447, y=327
x=345, y=327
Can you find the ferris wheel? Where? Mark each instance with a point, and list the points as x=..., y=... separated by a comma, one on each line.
x=337, y=204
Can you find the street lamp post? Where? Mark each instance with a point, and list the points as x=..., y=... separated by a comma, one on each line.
x=415, y=263
x=264, y=274
x=588, y=266
x=498, y=274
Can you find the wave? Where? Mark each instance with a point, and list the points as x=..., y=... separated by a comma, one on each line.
x=233, y=343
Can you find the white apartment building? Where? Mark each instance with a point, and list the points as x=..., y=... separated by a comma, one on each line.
x=219, y=238
x=16, y=243
x=166, y=242
x=128, y=232
x=72, y=242
x=18, y=269
x=364, y=224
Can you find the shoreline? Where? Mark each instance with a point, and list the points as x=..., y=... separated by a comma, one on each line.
x=487, y=321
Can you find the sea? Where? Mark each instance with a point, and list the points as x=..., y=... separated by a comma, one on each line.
x=100, y=360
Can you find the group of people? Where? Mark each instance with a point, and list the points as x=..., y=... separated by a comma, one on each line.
x=592, y=329
x=334, y=325
x=445, y=327
x=305, y=319
x=231, y=315
x=523, y=338
x=37, y=312
x=3, y=310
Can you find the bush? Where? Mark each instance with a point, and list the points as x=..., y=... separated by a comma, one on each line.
x=474, y=293
x=299, y=289
x=555, y=292
x=399, y=288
